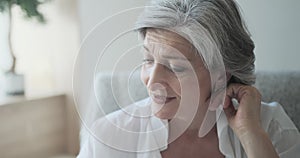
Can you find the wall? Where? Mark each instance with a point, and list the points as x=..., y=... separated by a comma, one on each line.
x=274, y=25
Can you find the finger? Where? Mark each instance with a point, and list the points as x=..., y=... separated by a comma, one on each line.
x=227, y=102
x=243, y=93
x=235, y=91
x=230, y=111
x=232, y=91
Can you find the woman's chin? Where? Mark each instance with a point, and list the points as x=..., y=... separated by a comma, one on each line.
x=165, y=114
x=164, y=111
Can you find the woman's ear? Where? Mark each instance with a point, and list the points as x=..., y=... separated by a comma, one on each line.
x=228, y=76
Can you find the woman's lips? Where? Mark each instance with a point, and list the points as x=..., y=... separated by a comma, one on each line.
x=161, y=99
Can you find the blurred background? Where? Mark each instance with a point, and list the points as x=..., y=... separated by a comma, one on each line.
x=43, y=122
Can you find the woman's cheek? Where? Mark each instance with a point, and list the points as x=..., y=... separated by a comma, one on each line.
x=183, y=84
x=144, y=75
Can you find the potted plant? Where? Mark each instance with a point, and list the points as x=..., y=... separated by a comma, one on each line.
x=13, y=82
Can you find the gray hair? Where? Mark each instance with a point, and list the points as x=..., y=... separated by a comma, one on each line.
x=207, y=23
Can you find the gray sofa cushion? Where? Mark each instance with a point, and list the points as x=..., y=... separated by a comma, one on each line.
x=115, y=91
x=282, y=87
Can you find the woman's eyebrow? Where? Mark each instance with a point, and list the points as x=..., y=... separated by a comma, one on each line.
x=169, y=56
x=176, y=58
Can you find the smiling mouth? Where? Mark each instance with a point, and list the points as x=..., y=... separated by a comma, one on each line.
x=161, y=99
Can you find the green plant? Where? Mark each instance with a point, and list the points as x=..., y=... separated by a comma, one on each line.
x=30, y=8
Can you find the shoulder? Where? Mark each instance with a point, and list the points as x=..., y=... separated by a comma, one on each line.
x=281, y=130
x=273, y=111
x=117, y=133
x=124, y=132
x=127, y=117
x=123, y=129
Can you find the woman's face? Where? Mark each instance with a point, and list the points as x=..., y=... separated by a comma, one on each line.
x=170, y=65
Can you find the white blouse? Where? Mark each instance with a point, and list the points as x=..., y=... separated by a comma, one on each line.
x=120, y=135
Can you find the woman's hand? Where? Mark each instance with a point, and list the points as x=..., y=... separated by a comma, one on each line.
x=245, y=121
x=247, y=116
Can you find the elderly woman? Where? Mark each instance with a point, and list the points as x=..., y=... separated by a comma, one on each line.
x=198, y=69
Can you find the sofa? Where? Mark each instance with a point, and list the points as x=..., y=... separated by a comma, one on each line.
x=284, y=88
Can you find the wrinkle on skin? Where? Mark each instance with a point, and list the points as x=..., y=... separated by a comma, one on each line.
x=155, y=39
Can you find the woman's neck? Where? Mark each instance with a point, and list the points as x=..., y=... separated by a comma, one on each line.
x=188, y=144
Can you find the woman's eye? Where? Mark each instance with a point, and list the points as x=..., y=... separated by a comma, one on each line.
x=177, y=69
x=148, y=61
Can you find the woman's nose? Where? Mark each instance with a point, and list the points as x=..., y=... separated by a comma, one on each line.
x=158, y=74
